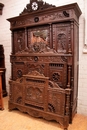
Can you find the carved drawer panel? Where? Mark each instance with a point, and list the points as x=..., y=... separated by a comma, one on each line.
x=40, y=67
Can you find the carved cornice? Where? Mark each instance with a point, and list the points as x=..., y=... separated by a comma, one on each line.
x=1, y=7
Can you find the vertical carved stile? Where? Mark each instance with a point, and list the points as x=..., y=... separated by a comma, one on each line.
x=46, y=92
x=11, y=71
x=12, y=42
x=51, y=36
x=71, y=39
x=68, y=91
x=69, y=76
x=67, y=104
x=54, y=41
x=26, y=40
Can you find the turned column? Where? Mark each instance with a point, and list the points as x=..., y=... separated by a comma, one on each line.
x=1, y=98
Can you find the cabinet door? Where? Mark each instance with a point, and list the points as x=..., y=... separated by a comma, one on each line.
x=61, y=37
x=18, y=40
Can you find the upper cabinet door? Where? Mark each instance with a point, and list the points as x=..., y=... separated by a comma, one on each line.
x=61, y=37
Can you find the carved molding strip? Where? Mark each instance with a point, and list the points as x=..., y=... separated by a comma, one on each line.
x=47, y=58
x=50, y=17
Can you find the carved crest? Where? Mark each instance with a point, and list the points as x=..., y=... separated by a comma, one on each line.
x=36, y=5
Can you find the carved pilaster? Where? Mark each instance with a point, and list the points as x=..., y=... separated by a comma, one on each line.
x=26, y=41
x=69, y=76
x=51, y=35
x=68, y=92
x=70, y=46
x=12, y=40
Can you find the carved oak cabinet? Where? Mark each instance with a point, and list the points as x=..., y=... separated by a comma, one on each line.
x=44, y=61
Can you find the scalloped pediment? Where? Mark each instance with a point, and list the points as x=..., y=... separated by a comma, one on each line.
x=36, y=5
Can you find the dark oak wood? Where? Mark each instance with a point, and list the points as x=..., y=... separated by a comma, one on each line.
x=44, y=61
x=2, y=68
x=1, y=8
x=1, y=97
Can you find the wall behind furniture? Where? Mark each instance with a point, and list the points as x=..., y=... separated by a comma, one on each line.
x=13, y=8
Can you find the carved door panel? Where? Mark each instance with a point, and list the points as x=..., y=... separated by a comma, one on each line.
x=62, y=37
x=56, y=101
x=19, y=40
x=35, y=91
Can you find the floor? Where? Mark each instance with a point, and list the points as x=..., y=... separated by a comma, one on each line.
x=15, y=120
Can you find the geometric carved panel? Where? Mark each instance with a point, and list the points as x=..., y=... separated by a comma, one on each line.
x=58, y=74
x=56, y=101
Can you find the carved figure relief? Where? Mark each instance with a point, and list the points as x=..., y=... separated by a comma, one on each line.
x=61, y=43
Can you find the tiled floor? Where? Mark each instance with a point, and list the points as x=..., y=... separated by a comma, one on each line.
x=15, y=120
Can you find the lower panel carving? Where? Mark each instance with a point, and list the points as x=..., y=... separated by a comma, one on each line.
x=39, y=97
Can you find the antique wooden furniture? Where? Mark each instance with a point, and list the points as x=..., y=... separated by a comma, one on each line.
x=1, y=97
x=44, y=61
x=1, y=8
x=2, y=68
